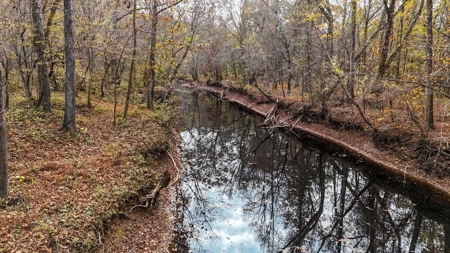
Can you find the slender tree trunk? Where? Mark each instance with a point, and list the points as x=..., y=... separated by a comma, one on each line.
x=330, y=31
x=91, y=74
x=308, y=79
x=26, y=78
x=429, y=67
x=328, y=14
x=385, y=45
x=51, y=61
x=39, y=44
x=366, y=31
x=24, y=68
x=133, y=57
x=371, y=223
x=105, y=75
x=152, y=83
x=69, y=105
x=340, y=211
x=416, y=233
x=399, y=57
x=446, y=238
x=351, y=76
x=3, y=140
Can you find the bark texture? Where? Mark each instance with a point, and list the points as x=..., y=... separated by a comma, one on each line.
x=3, y=140
x=69, y=105
x=39, y=44
x=429, y=67
x=153, y=32
x=133, y=59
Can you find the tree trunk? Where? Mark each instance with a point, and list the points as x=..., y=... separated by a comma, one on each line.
x=446, y=238
x=133, y=57
x=91, y=74
x=39, y=44
x=25, y=68
x=26, y=78
x=429, y=124
x=69, y=105
x=416, y=233
x=339, y=212
x=152, y=83
x=3, y=140
x=351, y=76
x=105, y=75
x=371, y=222
x=389, y=11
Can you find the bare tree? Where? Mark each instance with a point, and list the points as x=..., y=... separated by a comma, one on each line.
x=351, y=77
x=69, y=105
x=3, y=140
x=429, y=124
x=40, y=47
x=133, y=59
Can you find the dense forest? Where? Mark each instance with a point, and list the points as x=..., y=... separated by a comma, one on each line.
x=388, y=55
x=380, y=66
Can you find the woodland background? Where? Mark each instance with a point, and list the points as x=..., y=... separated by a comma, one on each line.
x=379, y=66
x=384, y=63
x=389, y=55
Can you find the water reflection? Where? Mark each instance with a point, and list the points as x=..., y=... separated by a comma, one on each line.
x=250, y=189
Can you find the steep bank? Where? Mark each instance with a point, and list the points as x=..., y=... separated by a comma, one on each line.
x=66, y=188
x=357, y=143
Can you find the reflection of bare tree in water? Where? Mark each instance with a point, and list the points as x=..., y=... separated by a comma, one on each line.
x=296, y=199
x=308, y=212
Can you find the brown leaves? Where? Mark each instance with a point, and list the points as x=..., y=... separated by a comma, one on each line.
x=69, y=184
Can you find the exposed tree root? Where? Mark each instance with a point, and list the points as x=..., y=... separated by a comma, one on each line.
x=176, y=167
x=151, y=198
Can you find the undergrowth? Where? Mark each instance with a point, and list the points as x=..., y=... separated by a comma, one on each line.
x=67, y=185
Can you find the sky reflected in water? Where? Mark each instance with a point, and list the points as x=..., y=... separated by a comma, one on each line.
x=251, y=189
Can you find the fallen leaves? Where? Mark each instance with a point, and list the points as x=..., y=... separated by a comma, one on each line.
x=68, y=183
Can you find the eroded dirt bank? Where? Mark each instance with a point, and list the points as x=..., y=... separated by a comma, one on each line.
x=358, y=144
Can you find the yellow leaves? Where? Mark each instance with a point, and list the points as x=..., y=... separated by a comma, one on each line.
x=19, y=179
x=335, y=68
x=312, y=17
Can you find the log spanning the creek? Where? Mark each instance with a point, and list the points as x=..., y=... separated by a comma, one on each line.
x=151, y=198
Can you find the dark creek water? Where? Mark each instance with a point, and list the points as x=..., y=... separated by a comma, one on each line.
x=246, y=189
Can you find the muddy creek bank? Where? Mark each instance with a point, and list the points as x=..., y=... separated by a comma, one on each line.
x=246, y=188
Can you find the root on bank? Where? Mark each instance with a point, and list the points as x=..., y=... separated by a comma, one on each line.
x=151, y=198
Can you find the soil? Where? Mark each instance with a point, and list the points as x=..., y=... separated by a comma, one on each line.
x=149, y=229
x=344, y=134
x=67, y=191
x=71, y=193
x=144, y=229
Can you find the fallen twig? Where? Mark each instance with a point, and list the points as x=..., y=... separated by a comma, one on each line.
x=298, y=119
x=176, y=167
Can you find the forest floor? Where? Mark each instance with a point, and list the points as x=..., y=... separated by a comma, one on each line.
x=65, y=189
x=397, y=149
x=72, y=192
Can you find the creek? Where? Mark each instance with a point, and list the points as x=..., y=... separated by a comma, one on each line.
x=247, y=188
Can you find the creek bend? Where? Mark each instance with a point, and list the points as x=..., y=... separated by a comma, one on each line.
x=246, y=188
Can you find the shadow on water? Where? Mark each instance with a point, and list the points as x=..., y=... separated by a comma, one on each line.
x=249, y=189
